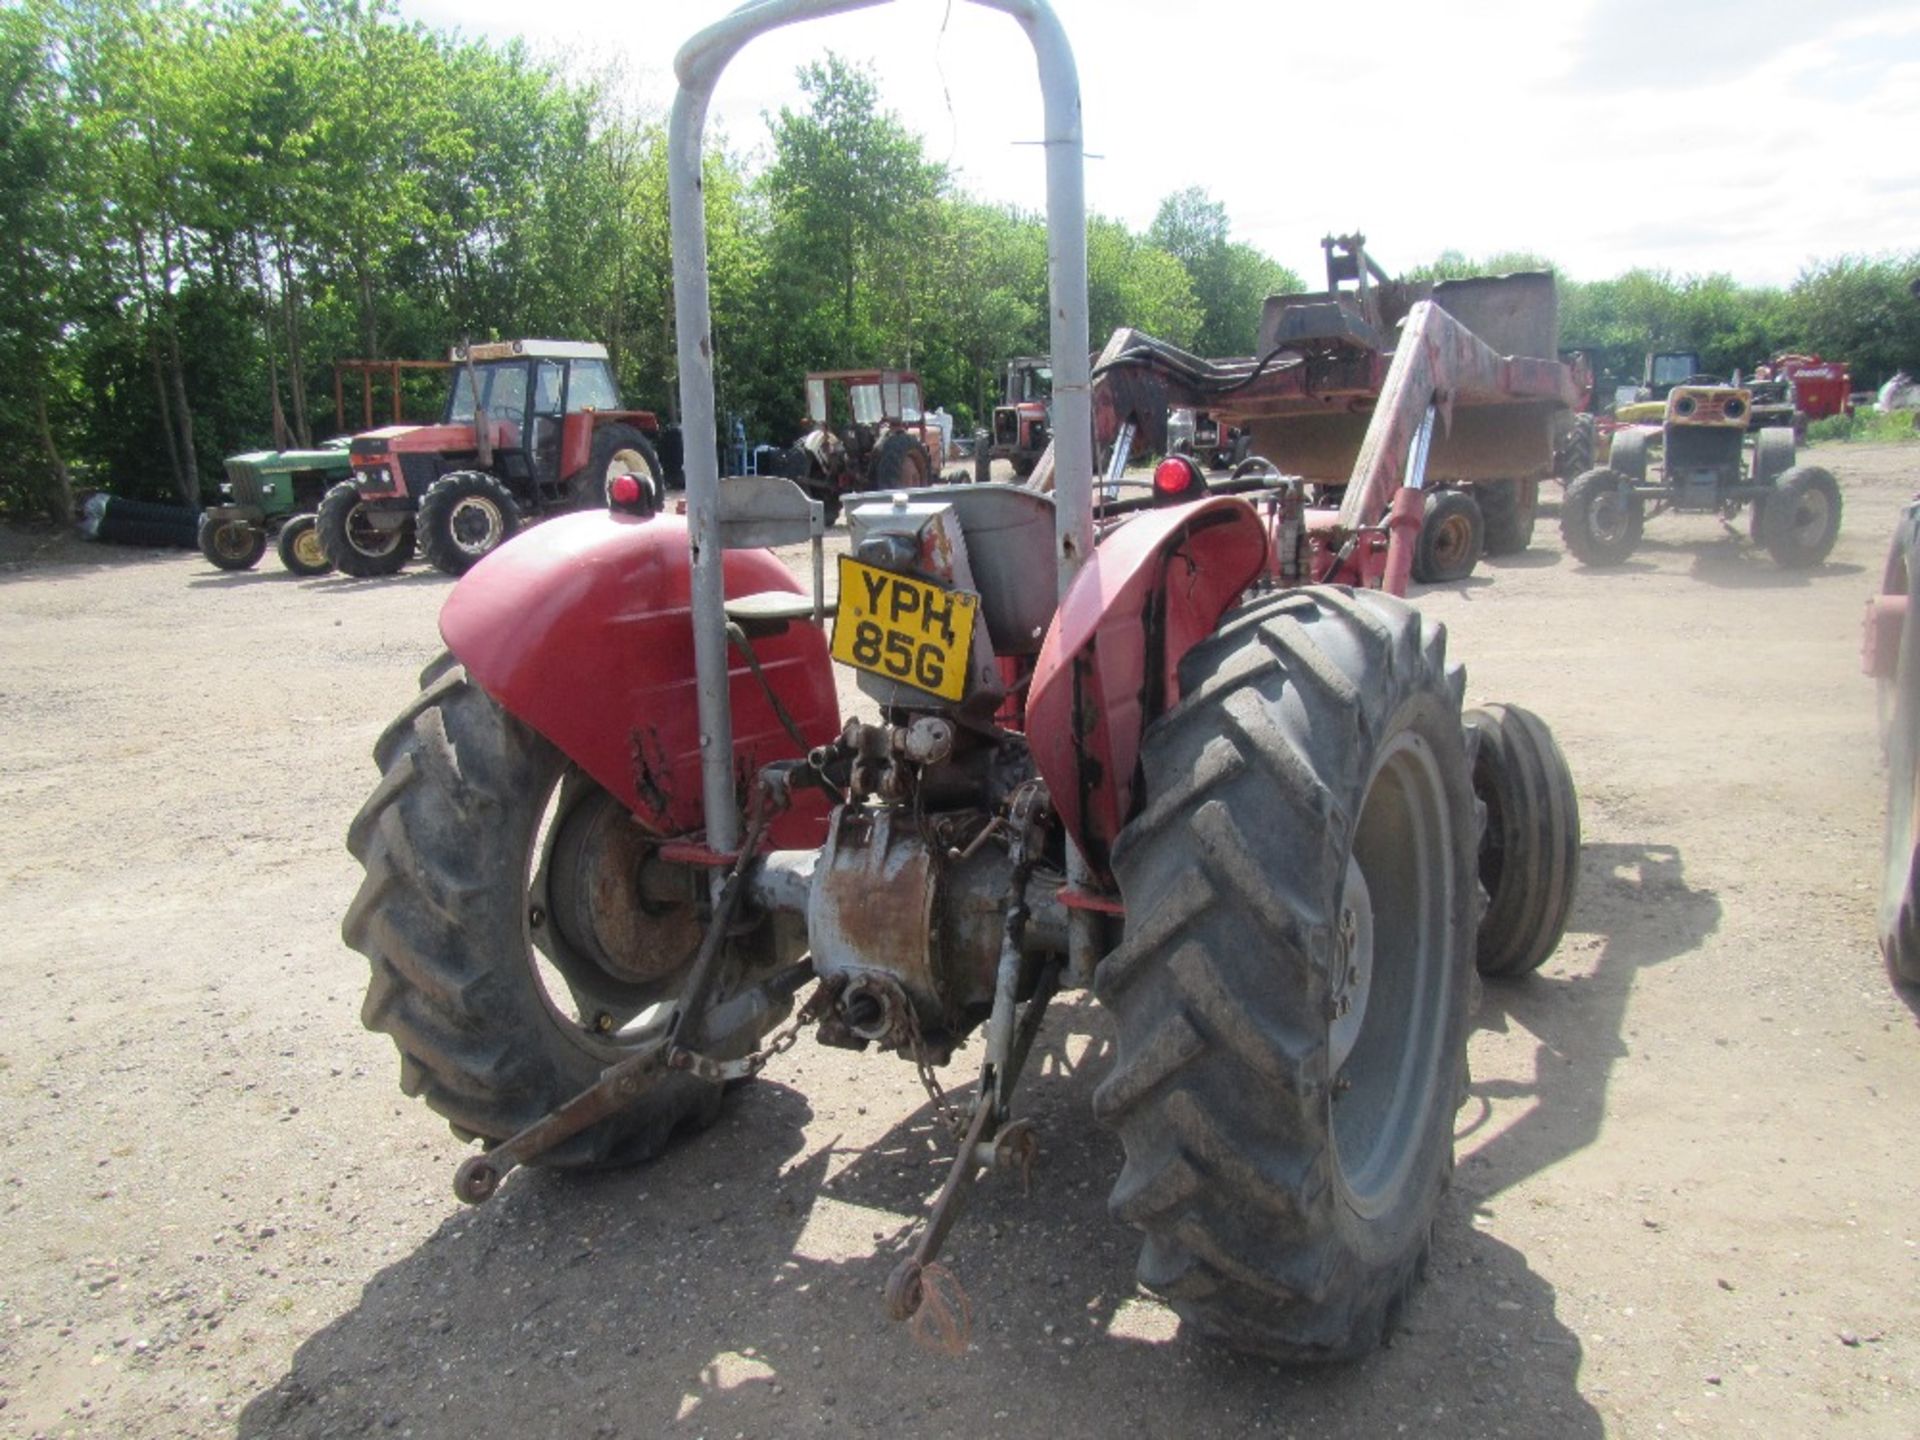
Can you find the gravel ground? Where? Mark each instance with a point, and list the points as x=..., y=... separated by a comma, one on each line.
x=1683, y=1205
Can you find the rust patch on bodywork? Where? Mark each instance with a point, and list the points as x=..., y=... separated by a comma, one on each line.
x=652, y=770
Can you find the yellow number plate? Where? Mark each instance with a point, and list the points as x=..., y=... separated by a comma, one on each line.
x=904, y=629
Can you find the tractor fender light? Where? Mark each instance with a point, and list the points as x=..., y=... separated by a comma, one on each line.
x=1177, y=478
x=631, y=494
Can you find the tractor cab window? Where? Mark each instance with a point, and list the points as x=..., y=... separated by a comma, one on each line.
x=909, y=400
x=503, y=392
x=1036, y=384
x=817, y=401
x=865, y=400
x=591, y=387
x=547, y=377
x=1673, y=369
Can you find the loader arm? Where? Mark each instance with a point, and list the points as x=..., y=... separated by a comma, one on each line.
x=1439, y=363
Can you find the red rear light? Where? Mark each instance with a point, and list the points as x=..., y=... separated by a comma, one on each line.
x=1177, y=478
x=625, y=490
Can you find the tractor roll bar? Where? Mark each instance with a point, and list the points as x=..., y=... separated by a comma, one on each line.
x=699, y=65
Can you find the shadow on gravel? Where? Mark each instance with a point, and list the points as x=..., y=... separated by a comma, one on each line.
x=1735, y=565
x=413, y=575
x=1531, y=558
x=38, y=559
x=1637, y=899
x=734, y=1289
x=275, y=574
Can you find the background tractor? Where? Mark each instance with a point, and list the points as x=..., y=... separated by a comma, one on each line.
x=1023, y=421
x=273, y=494
x=868, y=431
x=1145, y=756
x=530, y=427
x=1698, y=460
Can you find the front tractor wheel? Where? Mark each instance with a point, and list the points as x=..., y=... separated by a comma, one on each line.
x=231, y=544
x=1800, y=520
x=1292, y=995
x=1530, y=843
x=299, y=547
x=465, y=517
x=355, y=543
x=524, y=935
x=1601, y=518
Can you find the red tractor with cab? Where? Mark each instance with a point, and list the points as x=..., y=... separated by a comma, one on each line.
x=530, y=427
x=1194, y=755
x=1023, y=421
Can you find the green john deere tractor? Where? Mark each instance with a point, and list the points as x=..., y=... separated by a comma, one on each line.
x=273, y=494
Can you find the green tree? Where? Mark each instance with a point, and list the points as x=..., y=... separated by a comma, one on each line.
x=1230, y=280
x=1862, y=310
x=36, y=282
x=850, y=196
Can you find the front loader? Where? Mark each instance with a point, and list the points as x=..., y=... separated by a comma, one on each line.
x=624, y=830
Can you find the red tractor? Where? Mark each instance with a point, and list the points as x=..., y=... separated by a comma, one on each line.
x=530, y=427
x=1023, y=421
x=868, y=430
x=624, y=827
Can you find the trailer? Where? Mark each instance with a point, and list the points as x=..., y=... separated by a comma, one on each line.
x=1308, y=399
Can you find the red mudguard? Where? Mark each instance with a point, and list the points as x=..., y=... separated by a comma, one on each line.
x=582, y=628
x=1110, y=664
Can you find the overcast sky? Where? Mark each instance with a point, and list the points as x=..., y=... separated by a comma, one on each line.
x=1743, y=137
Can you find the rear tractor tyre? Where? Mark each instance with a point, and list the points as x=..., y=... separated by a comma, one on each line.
x=1800, y=520
x=1292, y=996
x=1530, y=842
x=513, y=959
x=1574, y=455
x=1507, y=512
x=1601, y=518
x=1452, y=536
x=299, y=548
x=901, y=463
x=465, y=517
x=617, y=450
x=231, y=544
x=354, y=544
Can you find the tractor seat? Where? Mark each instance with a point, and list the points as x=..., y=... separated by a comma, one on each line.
x=771, y=611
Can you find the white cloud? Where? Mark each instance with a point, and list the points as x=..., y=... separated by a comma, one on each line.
x=1743, y=137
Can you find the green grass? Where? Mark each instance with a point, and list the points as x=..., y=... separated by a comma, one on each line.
x=1866, y=425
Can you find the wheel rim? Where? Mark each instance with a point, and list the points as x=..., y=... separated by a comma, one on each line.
x=627, y=462
x=1451, y=540
x=1607, y=520
x=367, y=537
x=1807, y=526
x=1355, y=983
x=308, y=550
x=604, y=1008
x=475, y=525
x=1385, y=1082
x=233, y=541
